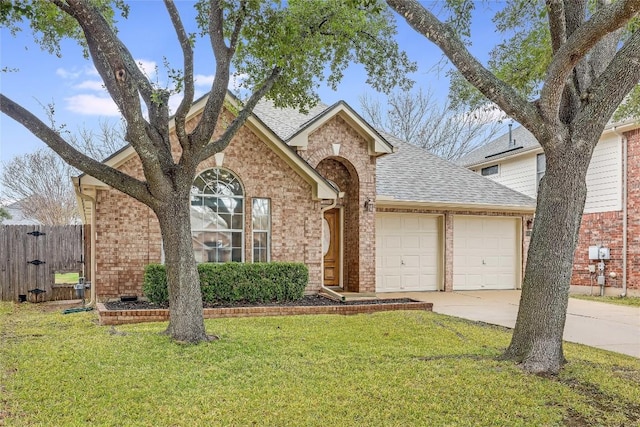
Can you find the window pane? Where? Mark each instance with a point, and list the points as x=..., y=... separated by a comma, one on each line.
x=236, y=222
x=260, y=223
x=490, y=170
x=217, y=206
x=236, y=240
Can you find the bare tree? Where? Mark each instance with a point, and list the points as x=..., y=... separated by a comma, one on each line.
x=41, y=181
x=589, y=71
x=419, y=119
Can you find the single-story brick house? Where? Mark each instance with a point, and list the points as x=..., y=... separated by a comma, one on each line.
x=364, y=211
x=611, y=216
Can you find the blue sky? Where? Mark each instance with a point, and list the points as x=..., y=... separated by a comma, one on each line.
x=71, y=83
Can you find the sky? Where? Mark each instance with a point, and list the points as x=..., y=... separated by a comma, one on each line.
x=72, y=85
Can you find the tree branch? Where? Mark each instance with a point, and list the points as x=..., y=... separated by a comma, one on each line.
x=557, y=23
x=125, y=83
x=113, y=177
x=578, y=44
x=187, y=54
x=241, y=118
x=202, y=133
x=445, y=38
x=609, y=89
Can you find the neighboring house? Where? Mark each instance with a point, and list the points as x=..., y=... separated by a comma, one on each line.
x=612, y=210
x=364, y=211
x=18, y=217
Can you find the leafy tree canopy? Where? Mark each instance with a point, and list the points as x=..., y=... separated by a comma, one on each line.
x=522, y=58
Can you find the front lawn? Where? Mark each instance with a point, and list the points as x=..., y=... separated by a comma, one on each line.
x=61, y=278
x=630, y=301
x=403, y=368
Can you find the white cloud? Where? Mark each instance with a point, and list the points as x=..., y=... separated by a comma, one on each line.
x=92, y=105
x=91, y=71
x=149, y=68
x=97, y=85
x=203, y=80
x=67, y=74
x=236, y=81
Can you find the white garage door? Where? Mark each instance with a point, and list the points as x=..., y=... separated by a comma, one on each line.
x=407, y=252
x=485, y=252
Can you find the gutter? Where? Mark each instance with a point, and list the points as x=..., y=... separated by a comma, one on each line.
x=92, y=265
x=624, y=141
x=391, y=202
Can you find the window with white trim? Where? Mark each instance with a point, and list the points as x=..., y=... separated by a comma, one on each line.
x=217, y=216
x=489, y=170
x=261, y=226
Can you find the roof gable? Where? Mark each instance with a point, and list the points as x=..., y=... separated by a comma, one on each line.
x=377, y=145
x=524, y=142
x=321, y=188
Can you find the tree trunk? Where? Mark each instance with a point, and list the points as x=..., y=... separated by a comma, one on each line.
x=537, y=337
x=186, y=316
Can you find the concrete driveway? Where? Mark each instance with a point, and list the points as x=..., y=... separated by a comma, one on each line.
x=607, y=326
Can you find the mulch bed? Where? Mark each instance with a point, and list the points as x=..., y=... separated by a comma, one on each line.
x=306, y=301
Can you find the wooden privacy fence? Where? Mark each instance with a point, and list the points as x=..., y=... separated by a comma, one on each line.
x=30, y=255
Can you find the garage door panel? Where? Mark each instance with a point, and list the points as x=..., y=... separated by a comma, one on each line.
x=486, y=252
x=410, y=242
x=407, y=245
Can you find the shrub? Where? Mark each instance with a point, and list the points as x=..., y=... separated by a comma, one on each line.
x=155, y=283
x=236, y=282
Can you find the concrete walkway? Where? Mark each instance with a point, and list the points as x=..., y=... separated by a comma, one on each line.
x=596, y=324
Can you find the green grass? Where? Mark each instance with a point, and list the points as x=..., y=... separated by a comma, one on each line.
x=629, y=301
x=67, y=278
x=405, y=368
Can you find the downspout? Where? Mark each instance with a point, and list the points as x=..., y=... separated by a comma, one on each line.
x=623, y=140
x=92, y=266
x=323, y=288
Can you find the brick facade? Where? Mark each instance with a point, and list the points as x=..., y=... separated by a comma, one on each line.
x=354, y=171
x=128, y=235
x=606, y=229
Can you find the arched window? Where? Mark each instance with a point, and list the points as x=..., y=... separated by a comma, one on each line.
x=217, y=216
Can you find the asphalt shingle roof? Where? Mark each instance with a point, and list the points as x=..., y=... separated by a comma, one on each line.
x=414, y=174
x=499, y=148
x=284, y=122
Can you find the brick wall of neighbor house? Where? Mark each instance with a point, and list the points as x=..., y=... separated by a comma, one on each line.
x=606, y=229
x=633, y=210
x=354, y=155
x=448, y=234
x=128, y=236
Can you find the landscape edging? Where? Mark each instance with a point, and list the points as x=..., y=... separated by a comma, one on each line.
x=120, y=317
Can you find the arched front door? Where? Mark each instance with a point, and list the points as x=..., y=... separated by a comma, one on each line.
x=331, y=247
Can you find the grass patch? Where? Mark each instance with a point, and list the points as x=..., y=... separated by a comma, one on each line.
x=628, y=301
x=385, y=369
x=66, y=278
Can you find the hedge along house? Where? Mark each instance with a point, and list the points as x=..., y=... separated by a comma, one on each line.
x=364, y=211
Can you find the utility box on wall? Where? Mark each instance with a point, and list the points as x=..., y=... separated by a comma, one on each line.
x=599, y=252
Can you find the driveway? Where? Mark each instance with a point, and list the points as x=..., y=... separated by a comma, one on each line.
x=596, y=324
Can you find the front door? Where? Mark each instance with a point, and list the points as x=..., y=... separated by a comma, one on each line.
x=331, y=247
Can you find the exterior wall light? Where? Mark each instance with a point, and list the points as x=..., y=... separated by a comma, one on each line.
x=369, y=205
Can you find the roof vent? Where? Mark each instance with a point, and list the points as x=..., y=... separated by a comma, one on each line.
x=512, y=142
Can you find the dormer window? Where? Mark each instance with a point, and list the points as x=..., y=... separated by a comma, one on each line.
x=489, y=170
